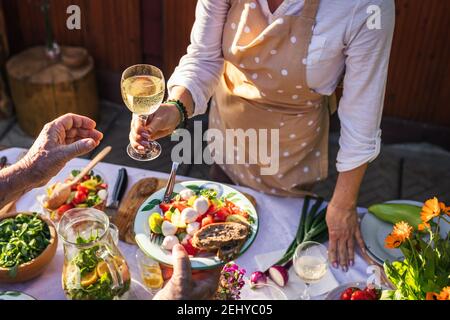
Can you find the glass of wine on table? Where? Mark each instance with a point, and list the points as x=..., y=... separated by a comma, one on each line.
x=310, y=264
x=143, y=88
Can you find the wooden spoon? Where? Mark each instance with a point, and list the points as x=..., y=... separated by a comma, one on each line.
x=62, y=192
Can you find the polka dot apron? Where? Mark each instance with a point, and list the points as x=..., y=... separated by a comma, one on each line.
x=264, y=87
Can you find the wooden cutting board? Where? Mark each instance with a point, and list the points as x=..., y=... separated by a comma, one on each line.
x=129, y=205
x=133, y=199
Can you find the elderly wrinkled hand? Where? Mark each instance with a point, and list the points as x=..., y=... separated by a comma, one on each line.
x=184, y=285
x=61, y=140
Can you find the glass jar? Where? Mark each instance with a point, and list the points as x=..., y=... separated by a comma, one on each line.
x=94, y=268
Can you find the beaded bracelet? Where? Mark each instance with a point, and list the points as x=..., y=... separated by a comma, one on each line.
x=183, y=112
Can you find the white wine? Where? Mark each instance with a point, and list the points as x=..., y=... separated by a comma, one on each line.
x=310, y=269
x=143, y=93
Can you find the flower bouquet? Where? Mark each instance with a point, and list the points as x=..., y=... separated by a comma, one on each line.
x=231, y=282
x=425, y=271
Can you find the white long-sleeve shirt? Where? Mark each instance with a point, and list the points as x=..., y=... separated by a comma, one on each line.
x=342, y=40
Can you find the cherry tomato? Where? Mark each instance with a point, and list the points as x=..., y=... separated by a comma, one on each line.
x=212, y=208
x=190, y=249
x=86, y=177
x=180, y=205
x=82, y=189
x=221, y=215
x=79, y=197
x=64, y=208
x=207, y=220
x=360, y=295
x=165, y=206
x=200, y=218
x=347, y=293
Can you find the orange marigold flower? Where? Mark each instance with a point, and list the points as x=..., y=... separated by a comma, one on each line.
x=392, y=241
x=444, y=209
x=431, y=296
x=430, y=209
x=423, y=226
x=445, y=294
x=402, y=230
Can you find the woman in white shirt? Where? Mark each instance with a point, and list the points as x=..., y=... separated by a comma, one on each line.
x=271, y=64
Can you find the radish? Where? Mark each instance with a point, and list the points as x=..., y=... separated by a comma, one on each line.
x=257, y=278
x=279, y=275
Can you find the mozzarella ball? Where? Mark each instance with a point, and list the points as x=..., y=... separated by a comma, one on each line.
x=201, y=205
x=168, y=228
x=186, y=194
x=189, y=215
x=102, y=194
x=169, y=242
x=192, y=228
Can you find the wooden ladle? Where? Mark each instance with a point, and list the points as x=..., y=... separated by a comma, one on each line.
x=62, y=192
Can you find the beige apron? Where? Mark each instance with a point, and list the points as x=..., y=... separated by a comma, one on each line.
x=264, y=87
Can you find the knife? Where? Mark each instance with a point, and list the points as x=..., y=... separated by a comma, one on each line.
x=118, y=192
x=3, y=161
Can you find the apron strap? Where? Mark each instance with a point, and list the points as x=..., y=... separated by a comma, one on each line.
x=310, y=9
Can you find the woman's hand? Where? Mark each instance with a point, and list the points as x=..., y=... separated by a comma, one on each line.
x=184, y=285
x=342, y=219
x=344, y=232
x=159, y=124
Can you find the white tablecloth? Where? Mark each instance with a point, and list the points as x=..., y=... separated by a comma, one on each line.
x=278, y=224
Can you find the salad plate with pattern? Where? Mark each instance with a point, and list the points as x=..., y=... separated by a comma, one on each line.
x=214, y=222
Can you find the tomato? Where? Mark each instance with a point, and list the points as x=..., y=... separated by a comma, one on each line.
x=190, y=249
x=86, y=177
x=221, y=215
x=347, y=293
x=64, y=208
x=200, y=218
x=79, y=197
x=207, y=220
x=180, y=205
x=212, y=208
x=82, y=189
x=360, y=295
x=165, y=206
x=103, y=186
x=373, y=292
x=74, y=188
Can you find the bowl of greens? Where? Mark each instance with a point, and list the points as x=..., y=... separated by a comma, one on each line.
x=28, y=243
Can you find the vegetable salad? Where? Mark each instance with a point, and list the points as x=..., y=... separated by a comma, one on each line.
x=91, y=191
x=191, y=210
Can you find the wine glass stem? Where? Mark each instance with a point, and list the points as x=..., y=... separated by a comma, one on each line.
x=305, y=295
x=143, y=120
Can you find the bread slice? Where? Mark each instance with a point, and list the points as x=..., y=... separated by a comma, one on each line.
x=224, y=235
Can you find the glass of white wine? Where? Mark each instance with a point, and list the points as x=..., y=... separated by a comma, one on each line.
x=143, y=87
x=310, y=264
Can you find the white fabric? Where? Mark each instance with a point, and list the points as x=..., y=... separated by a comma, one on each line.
x=278, y=221
x=341, y=40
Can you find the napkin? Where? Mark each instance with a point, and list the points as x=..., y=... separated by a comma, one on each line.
x=295, y=286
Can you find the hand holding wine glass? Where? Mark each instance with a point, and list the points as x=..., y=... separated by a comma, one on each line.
x=143, y=88
x=310, y=264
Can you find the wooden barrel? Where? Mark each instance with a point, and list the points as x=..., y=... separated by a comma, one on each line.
x=43, y=88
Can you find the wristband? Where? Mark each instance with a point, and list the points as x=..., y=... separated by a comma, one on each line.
x=183, y=113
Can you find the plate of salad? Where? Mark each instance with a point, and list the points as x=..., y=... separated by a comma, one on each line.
x=195, y=206
x=90, y=192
